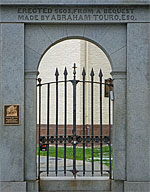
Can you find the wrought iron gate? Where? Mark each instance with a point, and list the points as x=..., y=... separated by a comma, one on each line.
x=84, y=140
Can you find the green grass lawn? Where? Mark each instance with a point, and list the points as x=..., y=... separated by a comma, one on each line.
x=79, y=153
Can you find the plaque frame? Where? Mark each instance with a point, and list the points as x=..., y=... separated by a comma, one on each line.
x=15, y=116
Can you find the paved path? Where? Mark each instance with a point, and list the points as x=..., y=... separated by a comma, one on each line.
x=69, y=165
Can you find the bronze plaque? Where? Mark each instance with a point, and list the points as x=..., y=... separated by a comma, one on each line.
x=11, y=114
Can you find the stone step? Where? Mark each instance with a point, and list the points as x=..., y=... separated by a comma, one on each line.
x=71, y=185
x=76, y=191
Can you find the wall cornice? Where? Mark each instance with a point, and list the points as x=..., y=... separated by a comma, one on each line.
x=119, y=75
x=75, y=2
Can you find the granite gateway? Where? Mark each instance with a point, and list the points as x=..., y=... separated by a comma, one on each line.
x=121, y=28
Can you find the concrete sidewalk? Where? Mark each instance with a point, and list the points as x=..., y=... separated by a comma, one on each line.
x=69, y=167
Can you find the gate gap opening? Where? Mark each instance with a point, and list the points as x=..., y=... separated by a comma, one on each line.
x=74, y=111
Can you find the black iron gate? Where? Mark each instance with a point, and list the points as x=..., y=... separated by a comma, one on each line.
x=83, y=140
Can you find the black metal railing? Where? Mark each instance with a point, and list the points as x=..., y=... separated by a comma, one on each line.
x=75, y=139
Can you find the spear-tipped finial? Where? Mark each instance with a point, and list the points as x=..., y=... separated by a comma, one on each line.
x=74, y=70
x=39, y=80
x=92, y=73
x=56, y=73
x=65, y=72
x=83, y=72
x=100, y=73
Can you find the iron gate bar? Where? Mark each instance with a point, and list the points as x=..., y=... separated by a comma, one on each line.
x=74, y=139
x=65, y=117
x=101, y=124
x=54, y=82
x=56, y=160
x=92, y=116
x=69, y=139
x=70, y=170
x=83, y=74
x=39, y=85
x=74, y=82
x=110, y=169
x=48, y=114
x=95, y=82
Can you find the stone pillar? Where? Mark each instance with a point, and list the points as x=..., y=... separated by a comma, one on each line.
x=119, y=131
x=138, y=110
x=30, y=131
x=12, y=92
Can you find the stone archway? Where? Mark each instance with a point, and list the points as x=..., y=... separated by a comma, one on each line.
x=123, y=33
x=114, y=46
x=110, y=38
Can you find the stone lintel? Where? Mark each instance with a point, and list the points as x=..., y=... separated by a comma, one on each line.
x=74, y=13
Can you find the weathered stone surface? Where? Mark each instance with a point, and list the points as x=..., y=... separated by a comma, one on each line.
x=30, y=126
x=1, y=109
x=32, y=186
x=32, y=59
x=0, y=31
x=114, y=43
x=119, y=126
x=75, y=191
x=12, y=90
x=119, y=59
x=93, y=33
x=116, y=37
x=89, y=2
x=75, y=14
x=131, y=108
x=36, y=38
x=117, y=186
x=75, y=31
x=55, y=33
x=136, y=186
x=86, y=184
x=13, y=186
x=138, y=97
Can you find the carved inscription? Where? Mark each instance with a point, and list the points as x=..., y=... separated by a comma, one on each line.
x=52, y=14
